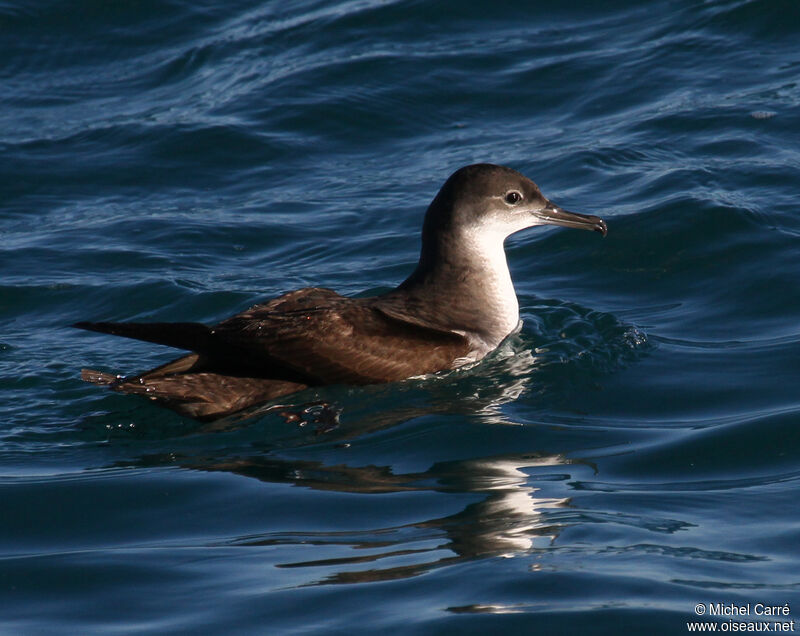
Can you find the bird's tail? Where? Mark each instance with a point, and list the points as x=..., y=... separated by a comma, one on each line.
x=191, y=336
x=99, y=377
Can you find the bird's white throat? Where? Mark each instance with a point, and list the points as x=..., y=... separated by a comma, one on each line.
x=484, y=246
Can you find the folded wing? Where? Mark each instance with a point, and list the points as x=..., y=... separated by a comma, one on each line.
x=312, y=336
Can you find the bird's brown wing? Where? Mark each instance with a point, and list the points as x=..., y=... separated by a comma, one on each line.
x=311, y=336
x=324, y=338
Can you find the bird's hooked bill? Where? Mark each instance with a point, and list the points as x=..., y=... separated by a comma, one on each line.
x=554, y=215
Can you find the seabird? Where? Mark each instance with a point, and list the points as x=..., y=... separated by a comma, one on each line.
x=456, y=306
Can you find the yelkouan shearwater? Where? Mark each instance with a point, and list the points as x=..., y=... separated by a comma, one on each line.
x=458, y=305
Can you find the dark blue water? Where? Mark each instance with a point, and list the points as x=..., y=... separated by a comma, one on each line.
x=632, y=453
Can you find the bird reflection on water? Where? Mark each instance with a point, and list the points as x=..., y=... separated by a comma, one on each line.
x=507, y=519
x=508, y=511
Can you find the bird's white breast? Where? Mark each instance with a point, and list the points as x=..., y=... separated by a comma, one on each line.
x=499, y=299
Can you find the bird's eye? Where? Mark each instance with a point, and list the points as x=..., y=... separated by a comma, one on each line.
x=513, y=197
